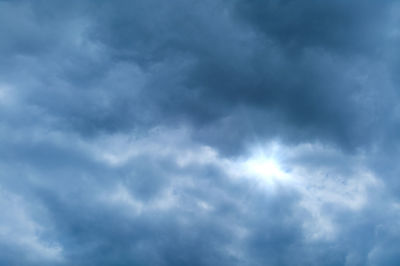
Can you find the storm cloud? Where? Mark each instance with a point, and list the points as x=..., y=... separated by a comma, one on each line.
x=188, y=132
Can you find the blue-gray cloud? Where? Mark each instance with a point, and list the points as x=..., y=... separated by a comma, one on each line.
x=199, y=133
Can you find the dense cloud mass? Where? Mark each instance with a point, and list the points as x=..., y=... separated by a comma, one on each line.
x=209, y=132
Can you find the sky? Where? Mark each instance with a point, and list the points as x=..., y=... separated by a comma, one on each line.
x=201, y=133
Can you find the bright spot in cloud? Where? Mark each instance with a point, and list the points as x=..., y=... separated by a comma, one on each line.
x=266, y=169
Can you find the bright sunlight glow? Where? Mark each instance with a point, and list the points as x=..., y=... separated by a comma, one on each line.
x=264, y=167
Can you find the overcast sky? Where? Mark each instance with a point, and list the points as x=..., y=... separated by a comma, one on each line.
x=199, y=132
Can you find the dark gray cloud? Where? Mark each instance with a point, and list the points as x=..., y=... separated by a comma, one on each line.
x=137, y=66
x=199, y=133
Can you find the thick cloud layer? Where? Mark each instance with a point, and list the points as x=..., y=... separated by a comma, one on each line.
x=199, y=132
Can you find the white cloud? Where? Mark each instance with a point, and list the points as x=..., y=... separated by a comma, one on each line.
x=18, y=228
